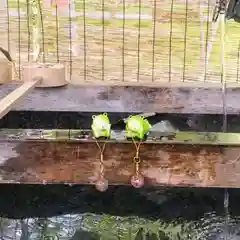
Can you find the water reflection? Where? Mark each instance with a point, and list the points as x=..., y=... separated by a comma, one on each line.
x=80, y=212
x=78, y=226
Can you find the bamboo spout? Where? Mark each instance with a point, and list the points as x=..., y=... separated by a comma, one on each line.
x=7, y=103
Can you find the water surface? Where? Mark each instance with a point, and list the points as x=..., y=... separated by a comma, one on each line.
x=80, y=212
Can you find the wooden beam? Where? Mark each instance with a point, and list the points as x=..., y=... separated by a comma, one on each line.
x=162, y=99
x=119, y=136
x=78, y=163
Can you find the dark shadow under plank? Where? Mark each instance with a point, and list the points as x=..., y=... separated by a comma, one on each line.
x=82, y=120
x=51, y=200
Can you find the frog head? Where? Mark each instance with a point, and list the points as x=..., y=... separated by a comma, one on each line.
x=137, y=127
x=101, y=126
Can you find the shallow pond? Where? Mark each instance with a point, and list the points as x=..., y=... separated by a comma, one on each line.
x=80, y=212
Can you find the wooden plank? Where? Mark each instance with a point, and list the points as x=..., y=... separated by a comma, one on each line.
x=78, y=163
x=129, y=99
x=118, y=136
x=7, y=103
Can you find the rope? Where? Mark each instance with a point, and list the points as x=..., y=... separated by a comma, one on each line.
x=101, y=149
x=137, y=159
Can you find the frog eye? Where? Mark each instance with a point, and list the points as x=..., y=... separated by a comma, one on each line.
x=93, y=116
x=105, y=114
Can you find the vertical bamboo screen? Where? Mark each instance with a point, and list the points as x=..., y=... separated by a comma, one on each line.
x=124, y=40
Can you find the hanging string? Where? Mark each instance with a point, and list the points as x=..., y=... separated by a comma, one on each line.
x=137, y=159
x=137, y=179
x=101, y=149
x=137, y=146
x=101, y=183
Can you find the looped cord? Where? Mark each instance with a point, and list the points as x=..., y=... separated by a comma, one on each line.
x=137, y=159
x=137, y=146
x=101, y=149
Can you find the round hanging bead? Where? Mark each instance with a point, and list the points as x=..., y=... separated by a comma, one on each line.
x=101, y=184
x=137, y=181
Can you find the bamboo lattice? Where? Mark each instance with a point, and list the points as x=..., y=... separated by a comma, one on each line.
x=147, y=41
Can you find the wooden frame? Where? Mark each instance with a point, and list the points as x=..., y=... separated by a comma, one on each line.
x=30, y=159
x=72, y=157
x=162, y=99
x=154, y=137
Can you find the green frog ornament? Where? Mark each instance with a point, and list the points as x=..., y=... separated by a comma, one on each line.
x=101, y=126
x=137, y=127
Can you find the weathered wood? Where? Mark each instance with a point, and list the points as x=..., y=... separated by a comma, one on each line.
x=119, y=136
x=75, y=163
x=129, y=99
x=7, y=103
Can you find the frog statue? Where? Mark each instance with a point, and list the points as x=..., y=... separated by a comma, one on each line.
x=101, y=126
x=137, y=127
